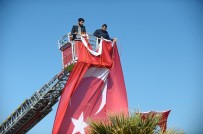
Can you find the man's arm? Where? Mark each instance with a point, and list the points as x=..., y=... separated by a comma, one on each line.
x=74, y=31
x=108, y=38
x=97, y=34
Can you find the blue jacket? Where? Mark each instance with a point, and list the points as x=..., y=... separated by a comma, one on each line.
x=99, y=32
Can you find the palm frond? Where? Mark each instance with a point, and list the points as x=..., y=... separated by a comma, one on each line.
x=122, y=124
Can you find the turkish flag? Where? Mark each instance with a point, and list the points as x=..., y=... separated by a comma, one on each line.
x=92, y=91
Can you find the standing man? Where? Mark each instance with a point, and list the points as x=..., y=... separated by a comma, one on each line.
x=78, y=29
x=102, y=33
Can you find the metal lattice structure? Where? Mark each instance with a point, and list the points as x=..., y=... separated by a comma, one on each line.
x=33, y=109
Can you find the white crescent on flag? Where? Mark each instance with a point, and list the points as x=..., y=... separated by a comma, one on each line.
x=104, y=91
x=100, y=73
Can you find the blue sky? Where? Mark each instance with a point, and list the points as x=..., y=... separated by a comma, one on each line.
x=160, y=44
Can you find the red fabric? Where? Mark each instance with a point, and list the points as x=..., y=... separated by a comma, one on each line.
x=116, y=96
x=74, y=79
x=67, y=55
x=163, y=119
x=103, y=60
x=84, y=95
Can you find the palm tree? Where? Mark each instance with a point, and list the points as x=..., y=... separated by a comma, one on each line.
x=133, y=124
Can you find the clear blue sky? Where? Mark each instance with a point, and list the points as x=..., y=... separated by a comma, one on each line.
x=160, y=44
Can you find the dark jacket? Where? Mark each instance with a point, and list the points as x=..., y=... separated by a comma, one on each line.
x=99, y=32
x=75, y=29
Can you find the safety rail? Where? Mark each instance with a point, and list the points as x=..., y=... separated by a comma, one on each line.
x=33, y=109
x=70, y=50
x=67, y=38
x=70, y=47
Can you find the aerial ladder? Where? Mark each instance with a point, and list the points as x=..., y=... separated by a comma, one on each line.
x=40, y=104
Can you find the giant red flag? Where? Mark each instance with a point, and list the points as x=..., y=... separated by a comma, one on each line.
x=96, y=86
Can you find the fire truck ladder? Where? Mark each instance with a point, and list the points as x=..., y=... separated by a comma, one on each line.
x=35, y=108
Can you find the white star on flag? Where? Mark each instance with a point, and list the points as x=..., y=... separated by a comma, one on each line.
x=79, y=124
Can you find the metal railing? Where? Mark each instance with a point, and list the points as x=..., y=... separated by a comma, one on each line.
x=67, y=38
x=67, y=45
